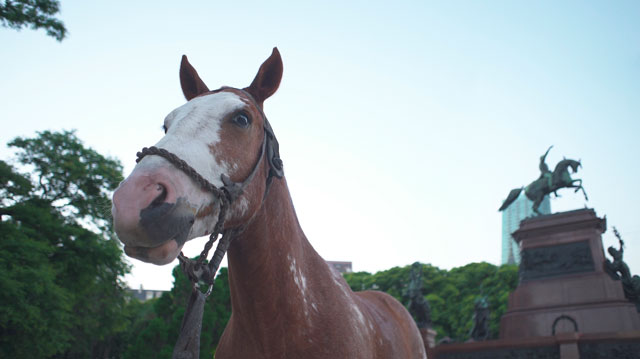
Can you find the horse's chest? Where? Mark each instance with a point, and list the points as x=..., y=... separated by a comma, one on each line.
x=335, y=338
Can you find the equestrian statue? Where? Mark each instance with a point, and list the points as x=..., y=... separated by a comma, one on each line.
x=548, y=182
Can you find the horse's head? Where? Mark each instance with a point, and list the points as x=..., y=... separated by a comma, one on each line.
x=574, y=165
x=220, y=133
x=565, y=164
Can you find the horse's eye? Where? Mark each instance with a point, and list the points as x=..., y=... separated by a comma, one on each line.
x=241, y=120
x=164, y=128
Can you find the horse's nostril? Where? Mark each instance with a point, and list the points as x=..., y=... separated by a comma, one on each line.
x=161, y=198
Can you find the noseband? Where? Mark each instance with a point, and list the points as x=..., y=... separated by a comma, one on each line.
x=226, y=195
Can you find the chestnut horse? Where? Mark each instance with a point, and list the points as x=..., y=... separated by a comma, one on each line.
x=287, y=302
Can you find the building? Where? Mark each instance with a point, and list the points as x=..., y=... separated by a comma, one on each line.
x=341, y=267
x=520, y=209
x=145, y=294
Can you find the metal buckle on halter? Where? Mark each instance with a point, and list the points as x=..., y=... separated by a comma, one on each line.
x=194, y=286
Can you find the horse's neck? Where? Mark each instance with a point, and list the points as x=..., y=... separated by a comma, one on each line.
x=563, y=166
x=273, y=270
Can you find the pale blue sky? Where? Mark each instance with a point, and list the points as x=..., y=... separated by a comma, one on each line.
x=402, y=126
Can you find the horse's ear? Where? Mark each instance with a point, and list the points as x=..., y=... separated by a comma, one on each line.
x=190, y=82
x=268, y=78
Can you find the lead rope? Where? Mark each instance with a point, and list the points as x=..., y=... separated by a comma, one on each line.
x=188, y=343
x=195, y=270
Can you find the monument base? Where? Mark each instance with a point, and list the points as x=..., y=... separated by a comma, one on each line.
x=563, y=286
x=560, y=346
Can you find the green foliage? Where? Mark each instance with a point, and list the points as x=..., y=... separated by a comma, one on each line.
x=156, y=331
x=76, y=180
x=34, y=310
x=451, y=294
x=39, y=14
x=61, y=292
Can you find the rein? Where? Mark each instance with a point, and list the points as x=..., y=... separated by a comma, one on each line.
x=188, y=344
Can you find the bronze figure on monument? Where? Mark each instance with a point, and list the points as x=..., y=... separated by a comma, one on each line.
x=480, y=330
x=418, y=306
x=548, y=182
x=619, y=270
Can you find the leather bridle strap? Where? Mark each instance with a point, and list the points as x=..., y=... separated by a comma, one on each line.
x=273, y=148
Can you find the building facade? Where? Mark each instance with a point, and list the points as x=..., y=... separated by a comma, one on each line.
x=145, y=294
x=341, y=267
x=520, y=209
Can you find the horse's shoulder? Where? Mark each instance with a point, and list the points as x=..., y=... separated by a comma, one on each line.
x=392, y=319
x=375, y=296
x=379, y=302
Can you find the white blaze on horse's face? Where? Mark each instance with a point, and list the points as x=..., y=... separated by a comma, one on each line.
x=160, y=190
x=193, y=130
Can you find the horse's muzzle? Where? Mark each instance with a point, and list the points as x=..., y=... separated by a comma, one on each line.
x=160, y=255
x=148, y=218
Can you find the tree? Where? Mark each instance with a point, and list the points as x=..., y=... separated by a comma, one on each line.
x=451, y=294
x=155, y=335
x=39, y=14
x=61, y=289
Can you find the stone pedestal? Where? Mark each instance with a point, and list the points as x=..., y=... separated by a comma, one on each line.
x=619, y=345
x=562, y=280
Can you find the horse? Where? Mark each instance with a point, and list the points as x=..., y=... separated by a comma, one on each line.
x=287, y=302
x=548, y=183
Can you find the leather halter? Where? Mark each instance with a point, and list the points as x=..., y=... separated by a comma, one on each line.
x=188, y=343
x=226, y=195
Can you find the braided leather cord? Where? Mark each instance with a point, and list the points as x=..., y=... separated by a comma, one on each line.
x=182, y=165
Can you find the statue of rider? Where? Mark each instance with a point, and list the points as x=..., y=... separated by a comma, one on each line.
x=548, y=182
x=544, y=170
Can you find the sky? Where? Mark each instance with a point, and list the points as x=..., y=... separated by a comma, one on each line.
x=402, y=126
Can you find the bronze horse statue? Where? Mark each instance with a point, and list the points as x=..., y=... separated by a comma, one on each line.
x=287, y=302
x=548, y=182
